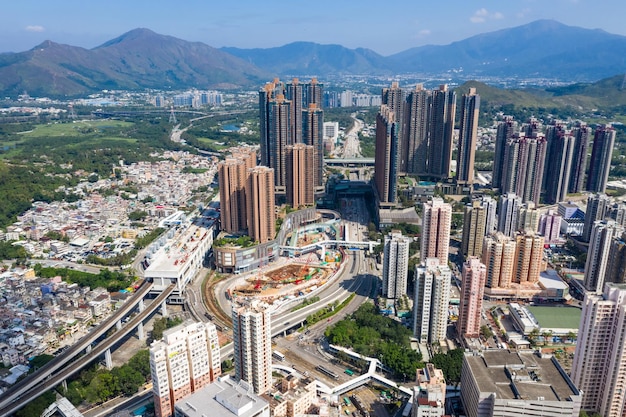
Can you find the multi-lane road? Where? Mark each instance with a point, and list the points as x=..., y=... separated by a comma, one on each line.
x=70, y=362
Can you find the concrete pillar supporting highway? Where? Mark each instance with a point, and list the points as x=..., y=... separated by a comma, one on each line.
x=107, y=359
x=141, y=305
x=164, y=309
x=140, y=334
x=88, y=350
x=118, y=325
x=64, y=384
x=284, y=333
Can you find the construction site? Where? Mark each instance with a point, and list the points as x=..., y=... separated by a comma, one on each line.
x=293, y=279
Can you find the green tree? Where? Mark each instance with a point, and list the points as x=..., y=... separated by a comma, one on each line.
x=39, y=361
x=450, y=363
x=533, y=336
x=485, y=331
x=36, y=406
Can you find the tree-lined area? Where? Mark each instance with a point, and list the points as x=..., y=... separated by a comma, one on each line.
x=111, y=280
x=371, y=334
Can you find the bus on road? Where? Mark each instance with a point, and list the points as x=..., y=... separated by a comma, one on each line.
x=277, y=355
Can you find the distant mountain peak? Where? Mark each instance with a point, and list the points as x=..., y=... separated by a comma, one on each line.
x=47, y=44
x=133, y=35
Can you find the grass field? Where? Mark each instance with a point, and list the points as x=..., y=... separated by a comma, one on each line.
x=55, y=136
x=74, y=129
x=556, y=317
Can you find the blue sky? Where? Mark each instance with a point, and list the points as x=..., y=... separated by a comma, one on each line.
x=385, y=26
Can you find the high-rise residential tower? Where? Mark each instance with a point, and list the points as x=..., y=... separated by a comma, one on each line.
x=506, y=130
x=416, y=128
x=597, y=207
x=499, y=258
x=600, y=162
x=260, y=204
x=528, y=218
x=508, y=210
x=294, y=93
x=474, y=274
x=581, y=133
x=386, y=159
x=252, y=345
x=558, y=167
x=470, y=108
x=599, y=367
x=443, y=108
x=432, y=296
x=528, y=258
x=185, y=360
x=300, y=174
x=232, y=177
x=524, y=158
x=474, y=222
x=314, y=94
x=268, y=94
x=436, y=222
x=313, y=135
x=616, y=269
x=279, y=137
x=393, y=98
x=596, y=266
x=490, y=205
x=395, y=264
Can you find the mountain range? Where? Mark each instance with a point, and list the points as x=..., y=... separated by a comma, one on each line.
x=142, y=59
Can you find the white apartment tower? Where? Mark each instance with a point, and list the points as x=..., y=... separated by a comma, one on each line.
x=508, y=210
x=600, y=243
x=599, y=367
x=252, y=340
x=432, y=296
x=185, y=360
x=436, y=221
x=395, y=264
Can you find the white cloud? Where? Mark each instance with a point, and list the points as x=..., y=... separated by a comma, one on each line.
x=423, y=33
x=523, y=13
x=482, y=15
x=34, y=28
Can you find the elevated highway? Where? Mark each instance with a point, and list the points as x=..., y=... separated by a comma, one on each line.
x=346, y=162
x=70, y=362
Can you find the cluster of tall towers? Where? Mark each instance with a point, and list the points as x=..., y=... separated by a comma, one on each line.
x=605, y=231
x=188, y=356
x=530, y=163
x=414, y=135
x=291, y=126
x=246, y=196
x=291, y=160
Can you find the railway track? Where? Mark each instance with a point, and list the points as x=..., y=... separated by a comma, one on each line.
x=217, y=315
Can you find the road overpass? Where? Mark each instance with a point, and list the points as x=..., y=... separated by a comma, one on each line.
x=347, y=162
x=302, y=250
x=61, y=367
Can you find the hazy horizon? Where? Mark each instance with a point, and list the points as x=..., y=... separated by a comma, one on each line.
x=249, y=24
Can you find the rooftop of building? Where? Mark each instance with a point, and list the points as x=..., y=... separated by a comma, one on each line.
x=290, y=389
x=172, y=251
x=407, y=215
x=222, y=398
x=522, y=375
